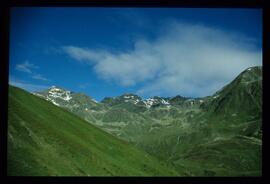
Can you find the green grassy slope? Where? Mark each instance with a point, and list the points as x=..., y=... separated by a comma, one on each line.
x=221, y=138
x=243, y=96
x=206, y=146
x=218, y=135
x=46, y=140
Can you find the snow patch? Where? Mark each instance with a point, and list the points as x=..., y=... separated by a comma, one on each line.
x=129, y=96
x=164, y=102
x=67, y=98
x=149, y=102
x=58, y=93
x=55, y=89
x=55, y=103
x=136, y=101
x=94, y=100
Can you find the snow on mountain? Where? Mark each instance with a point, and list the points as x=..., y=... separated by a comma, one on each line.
x=130, y=98
x=149, y=102
x=54, y=102
x=165, y=102
x=61, y=97
x=155, y=101
x=94, y=100
x=65, y=98
x=136, y=100
x=59, y=93
x=54, y=93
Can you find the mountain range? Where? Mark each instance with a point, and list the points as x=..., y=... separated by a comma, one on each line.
x=217, y=135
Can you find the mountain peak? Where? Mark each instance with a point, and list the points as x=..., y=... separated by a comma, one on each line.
x=251, y=74
x=56, y=88
x=155, y=101
x=56, y=92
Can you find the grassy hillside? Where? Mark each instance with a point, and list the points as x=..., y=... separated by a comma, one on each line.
x=205, y=146
x=222, y=137
x=217, y=135
x=242, y=97
x=46, y=140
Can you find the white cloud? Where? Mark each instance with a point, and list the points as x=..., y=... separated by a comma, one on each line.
x=83, y=86
x=186, y=59
x=28, y=67
x=25, y=67
x=39, y=77
x=84, y=54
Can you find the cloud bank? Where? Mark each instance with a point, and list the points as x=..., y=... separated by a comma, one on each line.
x=186, y=59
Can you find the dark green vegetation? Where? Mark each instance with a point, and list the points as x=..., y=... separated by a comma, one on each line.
x=218, y=135
x=46, y=140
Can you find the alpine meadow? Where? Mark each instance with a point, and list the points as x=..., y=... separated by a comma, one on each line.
x=135, y=92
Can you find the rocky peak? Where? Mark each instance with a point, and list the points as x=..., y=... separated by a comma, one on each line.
x=56, y=92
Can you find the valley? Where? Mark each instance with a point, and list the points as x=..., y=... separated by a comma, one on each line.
x=217, y=135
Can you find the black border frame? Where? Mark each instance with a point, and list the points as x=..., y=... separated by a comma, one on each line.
x=4, y=64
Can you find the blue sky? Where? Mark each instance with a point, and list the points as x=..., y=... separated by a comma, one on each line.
x=148, y=51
